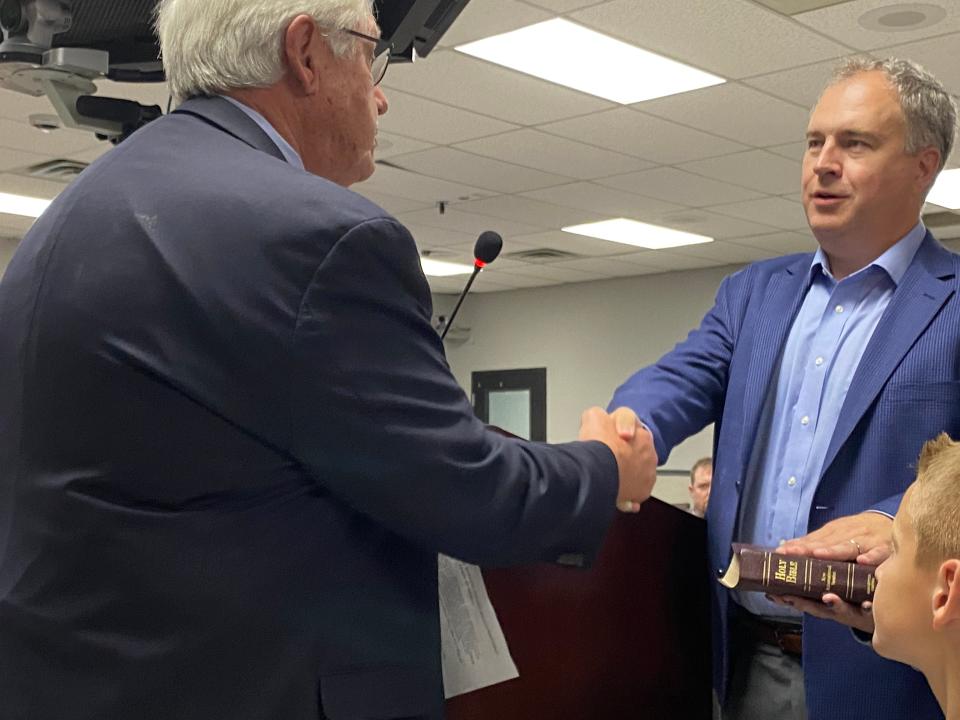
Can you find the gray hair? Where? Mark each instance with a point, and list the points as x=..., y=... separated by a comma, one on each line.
x=212, y=46
x=929, y=111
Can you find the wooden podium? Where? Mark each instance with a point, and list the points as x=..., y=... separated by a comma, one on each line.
x=630, y=637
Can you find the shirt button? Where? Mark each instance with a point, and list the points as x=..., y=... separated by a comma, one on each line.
x=819, y=361
x=805, y=420
x=838, y=309
x=792, y=481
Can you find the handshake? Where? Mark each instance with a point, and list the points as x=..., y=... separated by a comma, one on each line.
x=632, y=445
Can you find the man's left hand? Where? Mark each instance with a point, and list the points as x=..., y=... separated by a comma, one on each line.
x=833, y=607
x=864, y=537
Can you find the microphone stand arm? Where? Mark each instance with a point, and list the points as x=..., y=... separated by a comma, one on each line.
x=463, y=295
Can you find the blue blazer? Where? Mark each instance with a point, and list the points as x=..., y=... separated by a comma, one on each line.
x=905, y=391
x=231, y=447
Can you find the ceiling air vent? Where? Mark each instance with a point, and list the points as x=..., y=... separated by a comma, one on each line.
x=541, y=255
x=57, y=170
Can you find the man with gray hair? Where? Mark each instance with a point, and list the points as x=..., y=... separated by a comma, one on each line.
x=231, y=445
x=825, y=373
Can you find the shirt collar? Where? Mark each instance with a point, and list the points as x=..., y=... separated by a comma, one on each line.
x=291, y=155
x=894, y=261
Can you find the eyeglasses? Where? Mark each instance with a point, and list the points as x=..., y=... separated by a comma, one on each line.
x=381, y=58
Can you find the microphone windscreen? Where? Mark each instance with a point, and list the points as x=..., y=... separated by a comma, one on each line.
x=488, y=247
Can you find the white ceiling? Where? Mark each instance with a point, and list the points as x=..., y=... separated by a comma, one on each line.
x=507, y=152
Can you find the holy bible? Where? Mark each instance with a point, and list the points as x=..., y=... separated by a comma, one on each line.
x=761, y=569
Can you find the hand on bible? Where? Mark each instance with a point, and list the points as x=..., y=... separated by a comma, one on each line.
x=632, y=445
x=865, y=537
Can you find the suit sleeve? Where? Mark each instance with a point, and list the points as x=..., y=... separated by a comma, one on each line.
x=684, y=391
x=381, y=423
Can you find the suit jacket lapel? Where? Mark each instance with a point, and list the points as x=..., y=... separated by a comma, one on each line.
x=781, y=301
x=916, y=301
x=229, y=118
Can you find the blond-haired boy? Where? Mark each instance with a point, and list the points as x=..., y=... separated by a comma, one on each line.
x=917, y=603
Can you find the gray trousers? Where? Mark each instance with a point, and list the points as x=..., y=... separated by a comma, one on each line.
x=766, y=684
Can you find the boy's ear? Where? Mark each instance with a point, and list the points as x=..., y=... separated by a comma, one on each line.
x=946, y=596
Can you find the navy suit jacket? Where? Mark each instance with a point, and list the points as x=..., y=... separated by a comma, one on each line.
x=905, y=391
x=231, y=447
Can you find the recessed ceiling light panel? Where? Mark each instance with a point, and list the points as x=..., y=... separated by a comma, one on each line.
x=638, y=234
x=571, y=55
x=22, y=205
x=441, y=268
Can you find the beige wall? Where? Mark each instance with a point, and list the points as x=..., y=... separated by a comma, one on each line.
x=590, y=337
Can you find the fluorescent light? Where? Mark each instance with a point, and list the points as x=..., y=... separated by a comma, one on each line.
x=439, y=268
x=22, y=205
x=631, y=232
x=569, y=54
x=946, y=190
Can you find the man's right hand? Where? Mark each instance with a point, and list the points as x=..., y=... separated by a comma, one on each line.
x=632, y=445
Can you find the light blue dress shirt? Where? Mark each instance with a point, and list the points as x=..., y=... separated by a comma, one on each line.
x=821, y=355
x=291, y=155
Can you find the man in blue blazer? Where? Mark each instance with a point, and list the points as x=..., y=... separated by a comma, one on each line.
x=230, y=444
x=824, y=374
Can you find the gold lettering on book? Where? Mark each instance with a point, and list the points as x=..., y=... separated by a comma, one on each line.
x=787, y=571
x=871, y=583
x=828, y=578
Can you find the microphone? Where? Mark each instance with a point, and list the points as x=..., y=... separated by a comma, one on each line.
x=485, y=251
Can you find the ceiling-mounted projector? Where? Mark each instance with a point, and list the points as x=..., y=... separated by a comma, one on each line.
x=58, y=48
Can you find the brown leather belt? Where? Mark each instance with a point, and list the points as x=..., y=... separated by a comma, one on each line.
x=786, y=636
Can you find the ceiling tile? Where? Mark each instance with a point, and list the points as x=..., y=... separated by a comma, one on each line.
x=801, y=85
x=841, y=21
x=938, y=55
x=603, y=200
x=792, y=151
x=562, y=6
x=728, y=37
x=467, y=222
x=429, y=237
x=554, y=154
x=91, y=154
x=576, y=244
x=610, y=267
x=391, y=203
x=528, y=211
x=483, y=18
x=711, y=224
x=21, y=136
x=482, y=172
x=389, y=145
x=413, y=186
x=734, y=111
x=17, y=106
x=17, y=159
x=755, y=169
x=677, y=186
x=777, y=212
x=668, y=261
x=33, y=187
x=554, y=273
x=493, y=285
x=434, y=122
x=635, y=133
x=524, y=280
x=781, y=243
x=14, y=225
x=724, y=252
x=489, y=89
